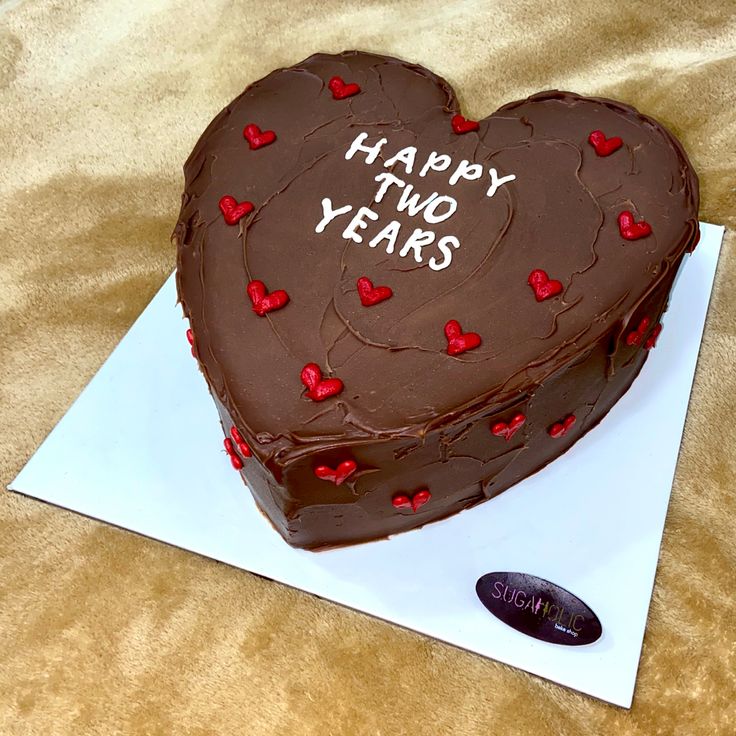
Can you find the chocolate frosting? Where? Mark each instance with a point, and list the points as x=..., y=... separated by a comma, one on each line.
x=411, y=416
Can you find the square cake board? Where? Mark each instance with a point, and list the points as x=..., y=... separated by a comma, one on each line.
x=591, y=521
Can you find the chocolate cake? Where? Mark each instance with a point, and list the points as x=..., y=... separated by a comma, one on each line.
x=401, y=312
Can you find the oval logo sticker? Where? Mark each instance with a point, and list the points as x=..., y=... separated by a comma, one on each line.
x=538, y=608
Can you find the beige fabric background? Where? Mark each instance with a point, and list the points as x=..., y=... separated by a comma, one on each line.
x=103, y=632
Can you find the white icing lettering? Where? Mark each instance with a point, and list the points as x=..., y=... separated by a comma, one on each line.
x=411, y=202
x=358, y=221
x=466, y=170
x=329, y=214
x=430, y=215
x=442, y=246
x=372, y=151
x=406, y=156
x=386, y=181
x=496, y=182
x=416, y=241
x=437, y=162
x=434, y=208
x=389, y=233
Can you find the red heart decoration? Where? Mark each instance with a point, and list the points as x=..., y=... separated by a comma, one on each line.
x=235, y=460
x=244, y=449
x=190, y=340
x=559, y=429
x=457, y=340
x=544, y=287
x=604, y=146
x=319, y=388
x=263, y=302
x=508, y=429
x=369, y=294
x=257, y=137
x=337, y=475
x=340, y=89
x=632, y=230
x=463, y=125
x=233, y=211
x=652, y=339
x=403, y=501
x=635, y=336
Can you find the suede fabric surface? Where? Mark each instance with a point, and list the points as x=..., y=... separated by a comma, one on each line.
x=105, y=632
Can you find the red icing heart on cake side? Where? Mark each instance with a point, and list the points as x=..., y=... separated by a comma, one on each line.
x=336, y=475
x=463, y=278
x=508, y=429
x=652, y=339
x=235, y=459
x=412, y=503
x=635, y=336
x=190, y=340
x=238, y=440
x=560, y=429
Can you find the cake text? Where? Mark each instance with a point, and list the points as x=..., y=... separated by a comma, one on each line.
x=433, y=208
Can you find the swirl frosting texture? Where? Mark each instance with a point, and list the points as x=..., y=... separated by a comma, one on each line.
x=412, y=421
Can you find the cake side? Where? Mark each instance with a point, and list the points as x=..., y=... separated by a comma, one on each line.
x=418, y=434
x=461, y=465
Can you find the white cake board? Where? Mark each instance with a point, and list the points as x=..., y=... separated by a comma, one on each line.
x=591, y=522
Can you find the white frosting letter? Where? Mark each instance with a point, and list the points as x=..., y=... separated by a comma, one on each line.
x=466, y=170
x=429, y=210
x=412, y=203
x=406, y=156
x=372, y=151
x=329, y=214
x=389, y=234
x=446, y=252
x=358, y=221
x=386, y=180
x=436, y=161
x=496, y=182
x=417, y=240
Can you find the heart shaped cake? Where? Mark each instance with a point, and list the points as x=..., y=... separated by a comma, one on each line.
x=399, y=311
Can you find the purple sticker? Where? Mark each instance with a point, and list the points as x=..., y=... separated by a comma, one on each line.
x=538, y=608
